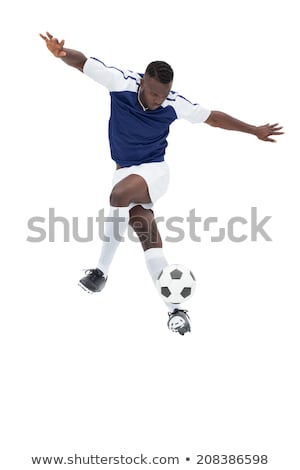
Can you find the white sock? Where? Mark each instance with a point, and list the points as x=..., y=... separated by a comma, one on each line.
x=114, y=229
x=155, y=262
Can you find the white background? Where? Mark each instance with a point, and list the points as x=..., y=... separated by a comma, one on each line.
x=103, y=374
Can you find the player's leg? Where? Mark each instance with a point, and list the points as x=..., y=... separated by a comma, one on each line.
x=132, y=188
x=143, y=223
x=129, y=190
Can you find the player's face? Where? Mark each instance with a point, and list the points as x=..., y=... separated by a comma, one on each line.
x=153, y=93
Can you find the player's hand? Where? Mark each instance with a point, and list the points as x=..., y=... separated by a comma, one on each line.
x=264, y=132
x=54, y=45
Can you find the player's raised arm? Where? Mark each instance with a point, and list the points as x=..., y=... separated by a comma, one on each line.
x=73, y=58
x=224, y=121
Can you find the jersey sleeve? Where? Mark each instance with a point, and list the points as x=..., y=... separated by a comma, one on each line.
x=195, y=113
x=112, y=78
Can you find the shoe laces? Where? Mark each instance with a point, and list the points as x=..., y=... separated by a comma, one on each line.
x=92, y=273
x=178, y=310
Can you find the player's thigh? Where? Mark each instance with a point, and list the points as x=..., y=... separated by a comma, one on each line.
x=132, y=188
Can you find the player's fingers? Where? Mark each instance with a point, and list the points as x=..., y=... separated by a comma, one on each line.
x=43, y=37
x=49, y=35
x=62, y=43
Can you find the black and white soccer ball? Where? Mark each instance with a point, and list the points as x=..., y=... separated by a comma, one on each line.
x=176, y=284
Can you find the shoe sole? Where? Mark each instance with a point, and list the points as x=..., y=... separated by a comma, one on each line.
x=187, y=326
x=85, y=288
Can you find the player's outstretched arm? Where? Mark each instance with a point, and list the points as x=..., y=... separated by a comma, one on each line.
x=224, y=121
x=69, y=56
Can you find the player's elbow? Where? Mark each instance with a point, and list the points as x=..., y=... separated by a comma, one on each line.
x=81, y=64
x=213, y=119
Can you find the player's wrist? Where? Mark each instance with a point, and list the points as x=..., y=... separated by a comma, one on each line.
x=253, y=130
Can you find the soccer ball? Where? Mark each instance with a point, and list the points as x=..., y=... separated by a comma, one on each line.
x=176, y=284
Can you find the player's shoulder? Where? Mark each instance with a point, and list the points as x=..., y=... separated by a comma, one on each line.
x=176, y=97
x=185, y=108
x=111, y=76
x=176, y=100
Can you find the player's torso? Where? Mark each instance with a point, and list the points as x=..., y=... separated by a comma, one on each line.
x=130, y=119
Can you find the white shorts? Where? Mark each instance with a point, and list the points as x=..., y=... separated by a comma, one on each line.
x=156, y=175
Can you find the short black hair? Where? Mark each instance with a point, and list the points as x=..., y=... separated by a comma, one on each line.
x=161, y=71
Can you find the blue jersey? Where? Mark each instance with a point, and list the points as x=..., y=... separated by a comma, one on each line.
x=138, y=135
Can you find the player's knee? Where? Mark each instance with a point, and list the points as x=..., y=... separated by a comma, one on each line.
x=139, y=211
